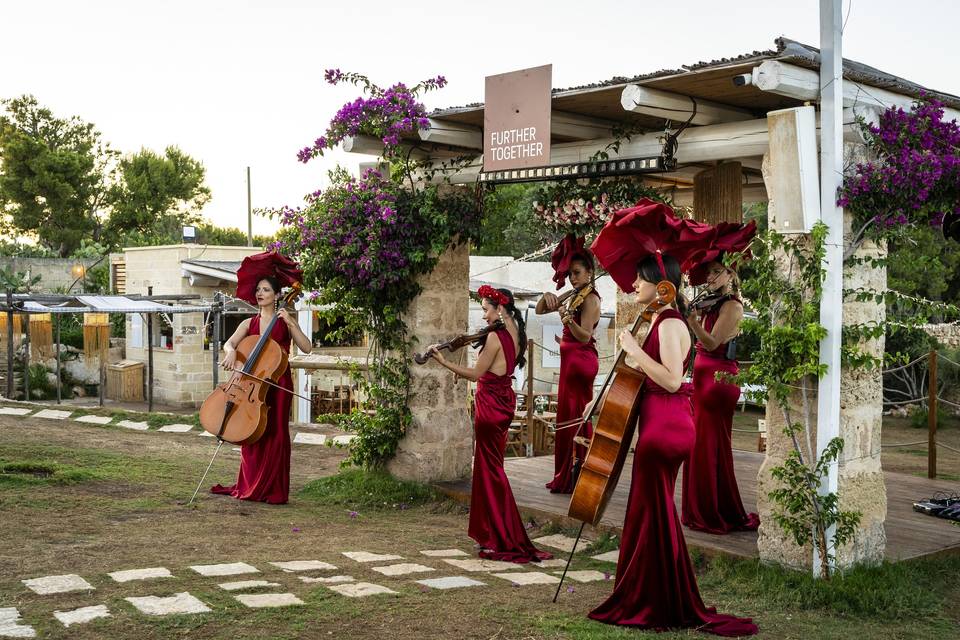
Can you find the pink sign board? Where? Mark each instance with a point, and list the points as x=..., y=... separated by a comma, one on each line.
x=516, y=119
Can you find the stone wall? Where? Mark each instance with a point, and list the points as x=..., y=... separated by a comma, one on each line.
x=439, y=443
x=55, y=273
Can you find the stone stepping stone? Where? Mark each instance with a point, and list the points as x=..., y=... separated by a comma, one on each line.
x=52, y=414
x=479, y=564
x=451, y=582
x=265, y=600
x=551, y=563
x=587, y=575
x=15, y=411
x=309, y=438
x=10, y=626
x=176, y=428
x=528, y=577
x=140, y=574
x=231, y=569
x=130, y=424
x=343, y=440
x=82, y=615
x=444, y=553
x=304, y=565
x=206, y=434
x=57, y=584
x=94, y=419
x=330, y=580
x=247, y=584
x=364, y=556
x=562, y=542
x=609, y=556
x=179, y=603
x=402, y=569
x=360, y=589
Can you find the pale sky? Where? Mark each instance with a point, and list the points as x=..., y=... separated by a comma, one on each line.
x=240, y=83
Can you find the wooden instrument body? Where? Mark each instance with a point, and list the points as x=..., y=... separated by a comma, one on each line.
x=247, y=418
x=460, y=341
x=615, y=427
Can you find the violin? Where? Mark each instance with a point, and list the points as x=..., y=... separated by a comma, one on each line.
x=600, y=470
x=236, y=411
x=476, y=339
x=707, y=301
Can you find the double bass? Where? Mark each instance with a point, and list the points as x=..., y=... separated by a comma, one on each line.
x=615, y=426
x=236, y=411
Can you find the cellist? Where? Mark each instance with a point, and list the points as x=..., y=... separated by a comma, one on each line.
x=655, y=586
x=265, y=464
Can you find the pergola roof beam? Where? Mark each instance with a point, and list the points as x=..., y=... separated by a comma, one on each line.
x=677, y=107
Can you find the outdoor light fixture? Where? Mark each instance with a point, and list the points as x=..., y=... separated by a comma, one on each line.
x=574, y=170
x=189, y=234
x=78, y=270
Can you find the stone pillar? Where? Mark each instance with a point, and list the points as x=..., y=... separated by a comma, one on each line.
x=860, y=479
x=439, y=444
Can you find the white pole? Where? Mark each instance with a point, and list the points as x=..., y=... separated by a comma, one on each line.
x=303, y=379
x=831, y=176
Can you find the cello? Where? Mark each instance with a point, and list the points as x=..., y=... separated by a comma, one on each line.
x=236, y=411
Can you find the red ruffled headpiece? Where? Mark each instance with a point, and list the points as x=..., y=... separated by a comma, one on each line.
x=570, y=247
x=730, y=238
x=488, y=292
x=261, y=265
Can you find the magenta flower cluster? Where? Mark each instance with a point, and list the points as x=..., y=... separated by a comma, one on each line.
x=916, y=175
x=388, y=114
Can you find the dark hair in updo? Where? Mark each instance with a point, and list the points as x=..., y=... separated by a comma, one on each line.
x=649, y=270
x=511, y=308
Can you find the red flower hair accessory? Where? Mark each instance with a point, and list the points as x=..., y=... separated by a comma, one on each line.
x=488, y=292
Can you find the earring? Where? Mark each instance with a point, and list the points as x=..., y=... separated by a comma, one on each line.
x=500, y=313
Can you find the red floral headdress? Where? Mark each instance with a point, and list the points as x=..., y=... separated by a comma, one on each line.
x=569, y=249
x=488, y=292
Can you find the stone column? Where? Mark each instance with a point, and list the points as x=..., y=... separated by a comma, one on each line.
x=439, y=444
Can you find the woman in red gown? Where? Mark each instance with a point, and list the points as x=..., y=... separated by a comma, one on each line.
x=495, y=522
x=579, y=364
x=265, y=464
x=711, y=498
x=655, y=586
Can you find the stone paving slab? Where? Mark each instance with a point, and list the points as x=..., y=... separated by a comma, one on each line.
x=451, y=582
x=82, y=615
x=552, y=563
x=10, y=626
x=609, y=556
x=265, y=600
x=247, y=584
x=94, y=419
x=229, y=569
x=309, y=438
x=179, y=603
x=360, y=589
x=204, y=433
x=479, y=564
x=444, y=553
x=562, y=542
x=402, y=569
x=130, y=424
x=52, y=414
x=57, y=584
x=528, y=577
x=330, y=580
x=364, y=556
x=343, y=440
x=304, y=565
x=176, y=428
x=140, y=574
x=15, y=411
x=586, y=575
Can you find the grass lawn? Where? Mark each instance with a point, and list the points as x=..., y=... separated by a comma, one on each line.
x=83, y=499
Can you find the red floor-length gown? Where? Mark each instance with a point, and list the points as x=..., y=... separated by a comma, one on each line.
x=655, y=586
x=711, y=499
x=579, y=364
x=494, y=518
x=265, y=464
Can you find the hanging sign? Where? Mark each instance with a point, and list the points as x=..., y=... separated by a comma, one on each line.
x=516, y=119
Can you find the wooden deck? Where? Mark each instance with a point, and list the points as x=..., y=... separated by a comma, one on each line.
x=909, y=534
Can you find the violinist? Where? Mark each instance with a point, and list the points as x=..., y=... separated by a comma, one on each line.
x=579, y=364
x=495, y=522
x=265, y=464
x=711, y=500
x=656, y=587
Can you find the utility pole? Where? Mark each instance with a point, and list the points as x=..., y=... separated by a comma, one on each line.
x=249, y=213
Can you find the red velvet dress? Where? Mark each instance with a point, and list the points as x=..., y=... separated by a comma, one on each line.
x=655, y=586
x=265, y=464
x=711, y=499
x=579, y=364
x=494, y=518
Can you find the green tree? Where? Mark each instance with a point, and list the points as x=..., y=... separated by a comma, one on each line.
x=56, y=175
x=156, y=195
x=509, y=226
